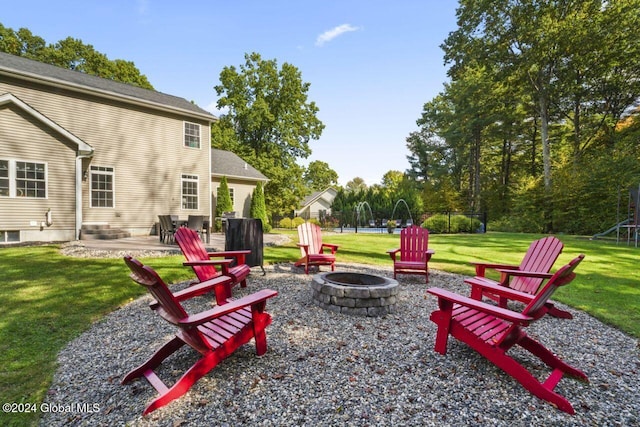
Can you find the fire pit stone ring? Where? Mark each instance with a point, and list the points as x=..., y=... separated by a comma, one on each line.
x=356, y=294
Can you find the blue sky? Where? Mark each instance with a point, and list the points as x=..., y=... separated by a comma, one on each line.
x=371, y=64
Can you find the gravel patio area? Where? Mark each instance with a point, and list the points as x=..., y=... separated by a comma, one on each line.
x=329, y=369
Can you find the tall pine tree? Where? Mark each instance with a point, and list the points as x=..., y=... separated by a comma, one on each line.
x=258, y=207
x=223, y=201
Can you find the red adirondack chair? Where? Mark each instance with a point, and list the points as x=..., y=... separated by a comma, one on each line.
x=526, y=277
x=312, y=249
x=215, y=333
x=193, y=249
x=414, y=252
x=492, y=331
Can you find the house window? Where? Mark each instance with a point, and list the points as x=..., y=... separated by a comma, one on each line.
x=31, y=180
x=102, y=187
x=4, y=178
x=191, y=135
x=189, y=191
x=9, y=236
x=23, y=179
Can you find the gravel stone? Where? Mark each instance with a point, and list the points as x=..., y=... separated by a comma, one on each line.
x=330, y=369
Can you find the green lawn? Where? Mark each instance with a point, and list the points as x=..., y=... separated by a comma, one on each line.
x=607, y=286
x=49, y=299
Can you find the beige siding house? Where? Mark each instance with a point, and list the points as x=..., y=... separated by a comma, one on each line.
x=317, y=205
x=242, y=179
x=79, y=151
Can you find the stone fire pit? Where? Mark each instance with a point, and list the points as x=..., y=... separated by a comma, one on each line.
x=355, y=293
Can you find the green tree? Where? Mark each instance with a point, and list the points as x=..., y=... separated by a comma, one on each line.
x=319, y=176
x=72, y=54
x=258, y=207
x=355, y=185
x=392, y=180
x=270, y=123
x=576, y=60
x=223, y=200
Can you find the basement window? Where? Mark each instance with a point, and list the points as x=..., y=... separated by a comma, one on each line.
x=9, y=236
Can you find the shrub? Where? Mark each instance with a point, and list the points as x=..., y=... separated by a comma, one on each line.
x=441, y=223
x=285, y=223
x=297, y=221
x=437, y=223
x=464, y=224
x=314, y=221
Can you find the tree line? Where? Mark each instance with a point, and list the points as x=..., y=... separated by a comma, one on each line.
x=538, y=123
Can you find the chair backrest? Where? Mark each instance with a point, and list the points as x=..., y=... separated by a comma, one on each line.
x=165, y=222
x=147, y=277
x=168, y=306
x=193, y=249
x=414, y=241
x=310, y=234
x=540, y=257
x=536, y=306
x=195, y=222
x=562, y=277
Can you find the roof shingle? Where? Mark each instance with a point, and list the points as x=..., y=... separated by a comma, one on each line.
x=51, y=74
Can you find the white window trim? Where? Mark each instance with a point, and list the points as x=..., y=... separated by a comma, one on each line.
x=184, y=134
x=113, y=184
x=189, y=177
x=13, y=191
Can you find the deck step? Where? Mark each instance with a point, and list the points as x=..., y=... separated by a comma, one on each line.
x=101, y=232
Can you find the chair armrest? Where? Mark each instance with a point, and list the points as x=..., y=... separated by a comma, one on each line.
x=491, y=309
x=392, y=253
x=230, y=307
x=331, y=247
x=224, y=263
x=505, y=275
x=207, y=262
x=202, y=288
x=195, y=291
x=233, y=254
x=482, y=266
x=524, y=273
x=481, y=284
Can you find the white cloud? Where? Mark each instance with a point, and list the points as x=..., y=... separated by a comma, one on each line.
x=331, y=34
x=212, y=107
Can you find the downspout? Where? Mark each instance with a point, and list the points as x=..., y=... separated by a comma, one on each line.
x=79, y=159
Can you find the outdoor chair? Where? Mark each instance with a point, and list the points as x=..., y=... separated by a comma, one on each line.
x=215, y=333
x=232, y=263
x=492, y=331
x=312, y=248
x=196, y=223
x=167, y=228
x=526, y=277
x=414, y=253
